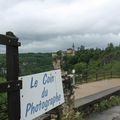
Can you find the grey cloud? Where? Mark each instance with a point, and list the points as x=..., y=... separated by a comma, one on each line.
x=56, y=24
x=66, y=41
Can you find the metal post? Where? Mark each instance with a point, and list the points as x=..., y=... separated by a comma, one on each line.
x=73, y=72
x=111, y=74
x=96, y=76
x=12, y=61
x=104, y=75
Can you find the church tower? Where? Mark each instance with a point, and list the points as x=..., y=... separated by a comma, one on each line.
x=73, y=49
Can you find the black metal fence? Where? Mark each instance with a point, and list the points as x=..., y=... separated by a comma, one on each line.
x=83, y=78
x=9, y=84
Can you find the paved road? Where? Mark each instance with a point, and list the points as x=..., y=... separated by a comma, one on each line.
x=110, y=114
x=88, y=92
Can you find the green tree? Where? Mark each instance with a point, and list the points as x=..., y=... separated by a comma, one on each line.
x=80, y=67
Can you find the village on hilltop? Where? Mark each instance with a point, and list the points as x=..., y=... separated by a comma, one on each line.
x=57, y=56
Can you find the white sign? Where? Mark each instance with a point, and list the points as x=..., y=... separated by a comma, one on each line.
x=40, y=93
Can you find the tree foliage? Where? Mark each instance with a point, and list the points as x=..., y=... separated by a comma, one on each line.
x=93, y=60
x=35, y=62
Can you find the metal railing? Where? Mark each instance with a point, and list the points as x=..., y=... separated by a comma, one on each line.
x=84, y=78
x=10, y=87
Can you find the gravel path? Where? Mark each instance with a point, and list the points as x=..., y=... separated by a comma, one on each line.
x=88, y=89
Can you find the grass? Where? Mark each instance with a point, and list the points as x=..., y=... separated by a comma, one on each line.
x=108, y=103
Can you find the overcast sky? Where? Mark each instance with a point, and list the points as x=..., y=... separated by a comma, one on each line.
x=51, y=25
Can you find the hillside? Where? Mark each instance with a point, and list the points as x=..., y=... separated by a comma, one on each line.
x=93, y=60
x=31, y=63
x=84, y=61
